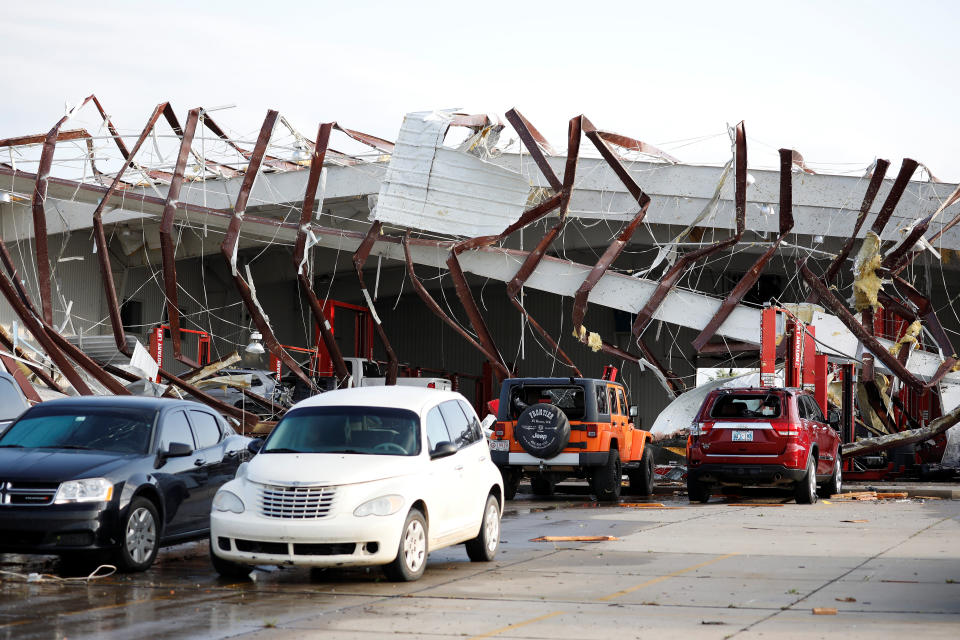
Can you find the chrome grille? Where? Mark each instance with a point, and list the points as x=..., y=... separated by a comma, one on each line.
x=298, y=503
x=27, y=493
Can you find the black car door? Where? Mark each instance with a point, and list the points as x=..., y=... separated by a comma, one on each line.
x=181, y=479
x=218, y=465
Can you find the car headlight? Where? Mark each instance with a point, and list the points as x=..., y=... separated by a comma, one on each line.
x=382, y=506
x=227, y=501
x=86, y=490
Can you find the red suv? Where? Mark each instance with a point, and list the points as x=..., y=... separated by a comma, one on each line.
x=768, y=437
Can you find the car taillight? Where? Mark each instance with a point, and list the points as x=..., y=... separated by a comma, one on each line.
x=787, y=432
x=591, y=431
x=431, y=385
x=699, y=428
x=498, y=430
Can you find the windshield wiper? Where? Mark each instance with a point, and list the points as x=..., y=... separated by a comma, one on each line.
x=19, y=446
x=70, y=446
x=346, y=451
x=282, y=450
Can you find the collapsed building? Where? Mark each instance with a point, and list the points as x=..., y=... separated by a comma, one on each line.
x=470, y=248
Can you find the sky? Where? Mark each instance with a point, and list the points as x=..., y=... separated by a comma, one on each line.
x=841, y=82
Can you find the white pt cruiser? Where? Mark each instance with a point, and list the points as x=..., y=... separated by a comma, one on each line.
x=367, y=476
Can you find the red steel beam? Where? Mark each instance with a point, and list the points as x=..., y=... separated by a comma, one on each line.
x=39, y=214
x=228, y=249
x=25, y=385
x=907, y=169
x=533, y=259
x=360, y=259
x=672, y=277
x=602, y=142
x=31, y=364
x=753, y=274
x=903, y=254
x=837, y=308
x=300, y=256
x=167, y=248
x=35, y=326
x=534, y=141
x=435, y=308
x=100, y=238
x=876, y=181
x=37, y=138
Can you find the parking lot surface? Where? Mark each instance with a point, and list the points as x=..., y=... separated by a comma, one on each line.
x=741, y=568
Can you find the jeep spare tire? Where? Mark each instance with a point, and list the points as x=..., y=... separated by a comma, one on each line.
x=543, y=430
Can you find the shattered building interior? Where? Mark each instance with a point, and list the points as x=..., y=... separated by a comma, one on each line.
x=471, y=248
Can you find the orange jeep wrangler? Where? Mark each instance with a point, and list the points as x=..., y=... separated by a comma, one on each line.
x=550, y=429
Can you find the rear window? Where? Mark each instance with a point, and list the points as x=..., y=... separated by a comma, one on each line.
x=742, y=405
x=568, y=398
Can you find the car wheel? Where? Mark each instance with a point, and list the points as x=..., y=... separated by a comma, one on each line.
x=228, y=568
x=411, y=560
x=542, y=484
x=642, y=479
x=606, y=480
x=483, y=548
x=698, y=491
x=834, y=485
x=139, y=536
x=806, y=490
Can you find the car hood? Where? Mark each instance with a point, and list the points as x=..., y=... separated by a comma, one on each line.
x=328, y=468
x=52, y=465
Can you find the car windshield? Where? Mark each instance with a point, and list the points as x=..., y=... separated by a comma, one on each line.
x=362, y=430
x=568, y=399
x=742, y=405
x=116, y=429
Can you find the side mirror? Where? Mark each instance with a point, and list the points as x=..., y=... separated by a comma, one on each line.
x=833, y=418
x=443, y=450
x=634, y=411
x=173, y=450
x=177, y=450
x=255, y=445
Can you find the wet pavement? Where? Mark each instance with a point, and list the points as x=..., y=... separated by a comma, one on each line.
x=742, y=567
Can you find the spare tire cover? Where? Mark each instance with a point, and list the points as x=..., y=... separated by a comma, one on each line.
x=543, y=430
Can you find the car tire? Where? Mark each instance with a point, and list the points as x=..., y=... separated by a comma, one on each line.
x=834, y=485
x=483, y=548
x=642, y=479
x=698, y=491
x=805, y=490
x=411, y=560
x=542, y=484
x=607, y=479
x=543, y=430
x=139, y=536
x=229, y=568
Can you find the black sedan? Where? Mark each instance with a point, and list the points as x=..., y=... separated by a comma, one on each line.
x=124, y=475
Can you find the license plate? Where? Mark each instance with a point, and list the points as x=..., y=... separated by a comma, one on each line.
x=743, y=436
x=499, y=445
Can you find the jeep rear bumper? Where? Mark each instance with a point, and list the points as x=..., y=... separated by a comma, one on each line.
x=745, y=474
x=574, y=459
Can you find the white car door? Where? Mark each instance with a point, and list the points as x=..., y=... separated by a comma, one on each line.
x=472, y=490
x=444, y=476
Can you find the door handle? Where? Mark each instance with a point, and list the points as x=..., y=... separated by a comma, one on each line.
x=199, y=462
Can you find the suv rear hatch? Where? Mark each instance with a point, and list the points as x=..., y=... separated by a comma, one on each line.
x=745, y=422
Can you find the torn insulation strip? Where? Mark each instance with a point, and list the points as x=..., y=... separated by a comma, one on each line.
x=867, y=284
